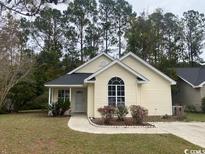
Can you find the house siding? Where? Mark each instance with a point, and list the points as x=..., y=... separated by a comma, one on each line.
x=188, y=95
x=156, y=94
x=202, y=91
x=95, y=65
x=101, y=87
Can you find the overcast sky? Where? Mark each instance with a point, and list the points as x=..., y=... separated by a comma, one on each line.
x=175, y=6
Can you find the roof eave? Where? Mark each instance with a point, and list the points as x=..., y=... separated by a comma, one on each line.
x=172, y=82
x=193, y=86
x=96, y=57
x=111, y=64
x=61, y=85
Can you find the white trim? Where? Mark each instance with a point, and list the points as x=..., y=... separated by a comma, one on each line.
x=89, y=81
x=149, y=66
x=202, y=84
x=70, y=94
x=64, y=85
x=116, y=91
x=49, y=96
x=193, y=86
x=96, y=57
x=111, y=64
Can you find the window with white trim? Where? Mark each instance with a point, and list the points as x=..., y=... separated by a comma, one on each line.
x=63, y=94
x=116, y=92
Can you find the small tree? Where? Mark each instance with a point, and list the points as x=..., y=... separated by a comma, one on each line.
x=121, y=112
x=203, y=104
x=16, y=64
x=107, y=113
x=138, y=113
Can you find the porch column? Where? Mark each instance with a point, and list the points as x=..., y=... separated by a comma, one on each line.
x=49, y=96
x=70, y=95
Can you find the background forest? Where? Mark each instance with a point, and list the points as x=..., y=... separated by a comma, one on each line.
x=42, y=43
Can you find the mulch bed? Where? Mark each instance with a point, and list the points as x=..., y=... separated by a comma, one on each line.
x=115, y=122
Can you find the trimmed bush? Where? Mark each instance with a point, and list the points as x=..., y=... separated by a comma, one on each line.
x=190, y=108
x=121, y=112
x=203, y=104
x=107, y=113
x=138, y=113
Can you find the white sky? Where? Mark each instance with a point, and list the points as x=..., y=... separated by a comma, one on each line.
x=175, y=6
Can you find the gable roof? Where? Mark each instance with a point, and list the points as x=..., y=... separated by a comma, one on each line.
x=91, y=60
x=75, y=79
x=193, y=76
x=144, y=79
x=149, y=66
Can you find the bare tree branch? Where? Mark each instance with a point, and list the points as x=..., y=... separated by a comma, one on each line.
x=15, y=64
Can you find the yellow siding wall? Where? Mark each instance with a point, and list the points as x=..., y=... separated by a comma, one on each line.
x=95, y=65
x=90, y=100
x=156, y=94
x=101, y=88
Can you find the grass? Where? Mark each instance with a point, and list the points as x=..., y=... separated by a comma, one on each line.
x=200, y=117
x=37, y=133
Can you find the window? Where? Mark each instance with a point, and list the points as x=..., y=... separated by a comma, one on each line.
x=116, y=92
x=63, y=94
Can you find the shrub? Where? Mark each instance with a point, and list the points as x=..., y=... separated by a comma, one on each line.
x=138, y=113
x=107, y=113
x=63, y=106
x=53, y=107
x=166, y=116
x=203, y=104
x=190, y=108
x=39, y=102
x=121, y=112
x=59, y=107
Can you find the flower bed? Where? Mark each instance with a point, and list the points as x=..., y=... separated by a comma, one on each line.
x=128, y=121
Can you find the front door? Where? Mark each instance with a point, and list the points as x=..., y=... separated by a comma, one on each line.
x=79, y=102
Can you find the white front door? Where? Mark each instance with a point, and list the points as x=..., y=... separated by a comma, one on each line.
x=79, y=102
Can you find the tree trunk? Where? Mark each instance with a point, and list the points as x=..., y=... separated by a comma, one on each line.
x=120, y=45
x=106, y=33
x=106, y=40
x=81, y=43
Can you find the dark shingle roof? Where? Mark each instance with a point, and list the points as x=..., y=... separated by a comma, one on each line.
x=70, y=79
x=195, y=76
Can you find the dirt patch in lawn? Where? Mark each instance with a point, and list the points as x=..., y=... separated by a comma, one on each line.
x=116, y=122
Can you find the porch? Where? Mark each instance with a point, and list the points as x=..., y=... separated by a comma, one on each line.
x=76, y=95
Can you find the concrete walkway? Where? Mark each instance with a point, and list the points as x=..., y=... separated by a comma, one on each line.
x=193, y=132
x=81, y=123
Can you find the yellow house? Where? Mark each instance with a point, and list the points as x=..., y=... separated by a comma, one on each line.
x=106, y=81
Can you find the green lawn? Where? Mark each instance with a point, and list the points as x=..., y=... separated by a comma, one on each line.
x=37, y=133
x=195, y=117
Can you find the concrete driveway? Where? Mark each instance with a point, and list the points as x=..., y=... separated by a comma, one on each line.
x=193, y=132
